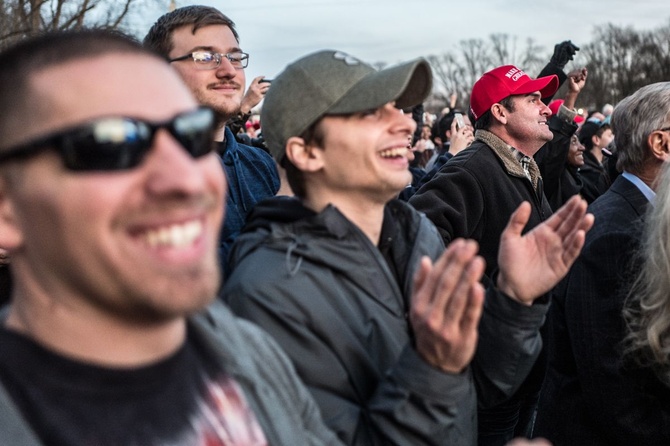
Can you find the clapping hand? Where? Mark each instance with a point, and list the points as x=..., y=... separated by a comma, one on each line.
x=532, y=264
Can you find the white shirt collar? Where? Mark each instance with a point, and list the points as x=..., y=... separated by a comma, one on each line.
x=641, y=185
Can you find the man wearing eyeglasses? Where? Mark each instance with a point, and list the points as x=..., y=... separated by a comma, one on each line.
x=111, y=200
x=203, y=46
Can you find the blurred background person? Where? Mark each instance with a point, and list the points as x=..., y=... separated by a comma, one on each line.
x=560, y=159
x=595, y=135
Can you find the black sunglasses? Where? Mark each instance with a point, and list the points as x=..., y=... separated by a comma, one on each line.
x=117, y=143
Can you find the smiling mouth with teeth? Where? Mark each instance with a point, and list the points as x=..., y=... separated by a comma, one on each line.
x=176, y=235
x=394, y=153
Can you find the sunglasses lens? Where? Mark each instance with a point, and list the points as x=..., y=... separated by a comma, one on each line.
x=122, y=143
x=194, y=131
x=108, y=144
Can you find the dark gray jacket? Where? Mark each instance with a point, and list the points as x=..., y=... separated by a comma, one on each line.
x=283, y=407
x=338, y=306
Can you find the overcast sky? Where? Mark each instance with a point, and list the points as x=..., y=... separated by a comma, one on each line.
x=276, y=32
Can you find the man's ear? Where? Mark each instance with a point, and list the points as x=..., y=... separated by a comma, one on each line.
x=659, y=143
x=595, y=139
x=303, y=156
x=499, y=113
x=11, y=236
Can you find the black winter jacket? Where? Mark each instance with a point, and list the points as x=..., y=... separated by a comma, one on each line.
x=474, y=194
x=593, y=177
x=338, y=306
x=561, y=181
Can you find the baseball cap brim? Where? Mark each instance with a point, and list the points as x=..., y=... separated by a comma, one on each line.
x=547, y=86
x=589, y=128
x=407, y=84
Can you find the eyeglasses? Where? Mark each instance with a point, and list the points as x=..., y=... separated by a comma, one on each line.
x=118, y=143
x=207, y=60
x=665, y=129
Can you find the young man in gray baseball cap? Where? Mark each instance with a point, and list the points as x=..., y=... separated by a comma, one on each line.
x=381, y=321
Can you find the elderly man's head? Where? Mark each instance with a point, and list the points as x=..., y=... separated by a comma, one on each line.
x=641, y=123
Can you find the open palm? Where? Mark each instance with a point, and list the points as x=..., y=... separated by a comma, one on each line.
x=532, y=264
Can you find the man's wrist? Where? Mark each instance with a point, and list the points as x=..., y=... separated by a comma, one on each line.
x=507, y=290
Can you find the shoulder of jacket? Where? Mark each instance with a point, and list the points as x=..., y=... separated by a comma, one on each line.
x=234, y=335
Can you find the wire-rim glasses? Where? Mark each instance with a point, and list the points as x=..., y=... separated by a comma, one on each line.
x=209, y=60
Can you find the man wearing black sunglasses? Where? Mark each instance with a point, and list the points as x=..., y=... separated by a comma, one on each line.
x=203, y=46
x=111, y=200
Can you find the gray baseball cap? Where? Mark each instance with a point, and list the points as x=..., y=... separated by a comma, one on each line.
x=335, y=83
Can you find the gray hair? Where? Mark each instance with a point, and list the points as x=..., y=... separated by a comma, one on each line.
x=634, y=119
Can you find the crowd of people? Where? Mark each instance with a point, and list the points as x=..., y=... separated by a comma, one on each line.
x=344, y=269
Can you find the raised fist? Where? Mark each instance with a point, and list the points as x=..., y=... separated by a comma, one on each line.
x=563, y=53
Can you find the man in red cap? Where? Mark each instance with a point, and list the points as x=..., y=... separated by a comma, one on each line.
x=475, y=193
x=480, y=188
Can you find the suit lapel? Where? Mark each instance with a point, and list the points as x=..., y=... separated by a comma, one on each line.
x=629, y=192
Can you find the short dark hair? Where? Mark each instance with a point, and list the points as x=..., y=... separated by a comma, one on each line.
x=295, y=177
x=19, y=62
x=589, y=130
x=444, y=124
x=486, y=119
x=159, y=37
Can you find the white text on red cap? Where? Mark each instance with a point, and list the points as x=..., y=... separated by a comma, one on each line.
x=515, y=74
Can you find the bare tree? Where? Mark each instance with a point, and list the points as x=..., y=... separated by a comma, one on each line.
x=655, y=54
x=20, y=18
x=621, y=60
x=456, y=72
x=447, y=73
x=534, y=57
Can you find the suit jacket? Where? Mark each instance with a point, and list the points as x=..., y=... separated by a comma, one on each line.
x=590, y=395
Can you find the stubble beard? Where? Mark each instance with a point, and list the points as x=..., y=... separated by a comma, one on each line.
x=156, y=308
x=223, y=108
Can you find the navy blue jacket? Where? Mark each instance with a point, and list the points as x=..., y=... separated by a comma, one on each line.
x=590, y=395
x=252, y=176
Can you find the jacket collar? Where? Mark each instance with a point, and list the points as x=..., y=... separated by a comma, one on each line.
x=511, y=158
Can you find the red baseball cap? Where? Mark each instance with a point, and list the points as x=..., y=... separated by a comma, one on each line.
x=508, y=80
x=556, y=104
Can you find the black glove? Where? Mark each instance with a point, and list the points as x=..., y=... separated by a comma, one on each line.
x=563, y=52
x=417, y=115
